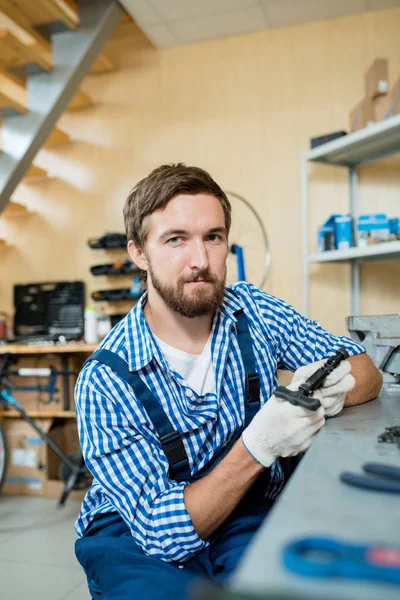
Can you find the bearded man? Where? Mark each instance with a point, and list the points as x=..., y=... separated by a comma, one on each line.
x=176, y=411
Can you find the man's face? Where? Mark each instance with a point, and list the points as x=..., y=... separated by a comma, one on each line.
x=186, y=252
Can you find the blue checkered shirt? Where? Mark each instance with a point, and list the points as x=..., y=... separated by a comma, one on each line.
x=120, y=444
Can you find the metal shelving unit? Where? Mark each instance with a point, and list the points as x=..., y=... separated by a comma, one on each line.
x=367, y=145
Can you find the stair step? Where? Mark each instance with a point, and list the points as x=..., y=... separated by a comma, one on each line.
x=80, y=101
x=47, y=11
x=56, y=138
x=34, y=174
x=12, y=92
x=102, y=64
x=14, y=209
x=22, y=28
x=13, y=53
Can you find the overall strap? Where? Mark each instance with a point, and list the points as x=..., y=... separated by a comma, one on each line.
x=252, y=389
x=252, y=381
x=171, y=440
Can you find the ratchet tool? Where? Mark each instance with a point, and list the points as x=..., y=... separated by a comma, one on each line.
x=303, y=397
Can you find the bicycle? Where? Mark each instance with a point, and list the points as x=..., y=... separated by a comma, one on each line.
x=73, y=471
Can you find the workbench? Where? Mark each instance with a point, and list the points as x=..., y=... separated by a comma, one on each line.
x=64, y=351
x=316, y=502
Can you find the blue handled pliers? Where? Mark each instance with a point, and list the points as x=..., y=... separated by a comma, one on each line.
x=388, y=479
x=327, y=557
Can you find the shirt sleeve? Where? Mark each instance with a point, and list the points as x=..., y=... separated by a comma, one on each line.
x=299, y=341
x=122, y=451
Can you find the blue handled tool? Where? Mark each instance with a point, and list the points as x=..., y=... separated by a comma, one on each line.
x=388, y=479
x=326, y=557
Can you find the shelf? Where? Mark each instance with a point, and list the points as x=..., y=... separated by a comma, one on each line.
x=38, y=414
x=371, y=143
x=383, y=251
x=50, y=349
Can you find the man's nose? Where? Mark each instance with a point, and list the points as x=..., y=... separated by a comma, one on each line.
x=199, y=257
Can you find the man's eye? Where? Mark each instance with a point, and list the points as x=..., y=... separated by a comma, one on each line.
x=214, y=237
x=174, y=240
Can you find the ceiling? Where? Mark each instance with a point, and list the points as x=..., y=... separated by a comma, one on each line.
x=175, y=22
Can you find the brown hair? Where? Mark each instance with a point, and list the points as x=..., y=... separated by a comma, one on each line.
x=155, y=191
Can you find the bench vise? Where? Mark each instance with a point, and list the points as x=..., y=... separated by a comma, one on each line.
x=380, y=336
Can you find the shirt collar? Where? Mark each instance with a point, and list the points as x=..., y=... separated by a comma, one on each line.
x=141, y=345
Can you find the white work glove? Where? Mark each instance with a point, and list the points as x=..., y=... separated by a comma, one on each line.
x=335, y=386
x=282, y=429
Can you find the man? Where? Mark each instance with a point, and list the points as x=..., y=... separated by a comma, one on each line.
x=183, y=473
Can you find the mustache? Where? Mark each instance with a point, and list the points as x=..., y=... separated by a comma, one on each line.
x=201, y=276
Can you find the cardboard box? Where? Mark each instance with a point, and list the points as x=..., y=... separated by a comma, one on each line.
x=64, y=433
x=54, y=489
x=27, y=457
x=33, y=467
x=362, y=114
x=376, y=79
x=389, y=105
x=382, y=105
x=372, y=228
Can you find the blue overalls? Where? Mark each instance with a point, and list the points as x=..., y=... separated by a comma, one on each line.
x=116, y=567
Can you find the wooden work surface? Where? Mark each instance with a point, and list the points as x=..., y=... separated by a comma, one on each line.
x=37, y=414
x=48, y=349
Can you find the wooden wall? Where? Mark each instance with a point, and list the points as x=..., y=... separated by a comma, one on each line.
x=244, y=108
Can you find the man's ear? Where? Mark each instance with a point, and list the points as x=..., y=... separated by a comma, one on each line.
x=137, y=255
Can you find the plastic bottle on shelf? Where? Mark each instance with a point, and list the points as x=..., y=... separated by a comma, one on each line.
x=103, y=323
x=91, y=336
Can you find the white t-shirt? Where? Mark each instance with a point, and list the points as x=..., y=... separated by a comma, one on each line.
x=196, y=369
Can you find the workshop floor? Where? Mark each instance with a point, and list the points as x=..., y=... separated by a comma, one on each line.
x=37, y=560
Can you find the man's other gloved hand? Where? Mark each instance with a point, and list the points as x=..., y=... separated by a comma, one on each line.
x=282, y=429
x=335, y=386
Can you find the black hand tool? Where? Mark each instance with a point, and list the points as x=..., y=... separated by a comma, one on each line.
x=303, y=397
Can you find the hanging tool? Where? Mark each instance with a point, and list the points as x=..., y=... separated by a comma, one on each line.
x=303, y=397
x=388, y=479
x=326, y=557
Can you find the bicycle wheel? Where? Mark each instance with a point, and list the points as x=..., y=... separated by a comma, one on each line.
x=3, y=456
x=248, y=231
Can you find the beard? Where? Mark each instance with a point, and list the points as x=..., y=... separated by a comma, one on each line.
x=201, y=302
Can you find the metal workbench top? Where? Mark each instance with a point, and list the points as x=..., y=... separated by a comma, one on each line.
x=316, y=502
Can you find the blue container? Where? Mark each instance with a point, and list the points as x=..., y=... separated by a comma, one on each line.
x=374, y=226
x=344, y=232
x=394, y=226
x=326, y=235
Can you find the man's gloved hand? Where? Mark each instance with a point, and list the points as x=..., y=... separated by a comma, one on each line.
x=335, y=386
x=282, y=429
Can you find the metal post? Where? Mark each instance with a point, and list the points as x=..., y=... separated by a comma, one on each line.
x=50, y=93
x=355, y=288
x=304, y=201
x=355, y=265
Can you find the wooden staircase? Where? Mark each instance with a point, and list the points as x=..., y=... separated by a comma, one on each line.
x=26, y=52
